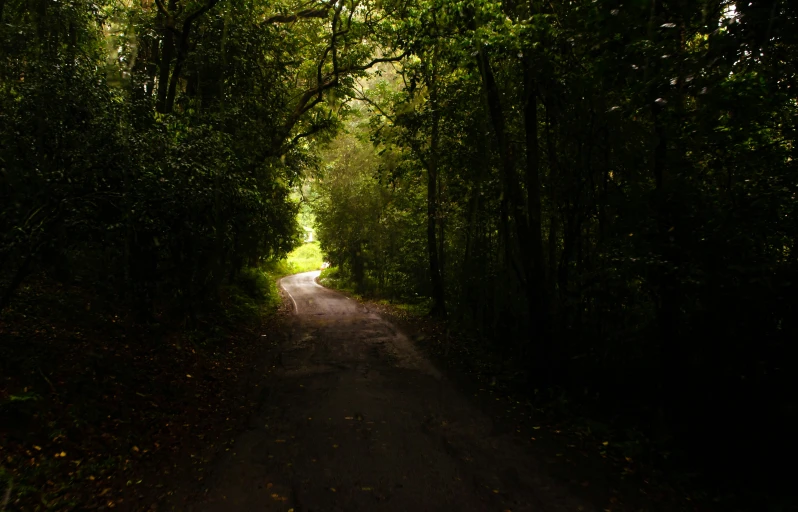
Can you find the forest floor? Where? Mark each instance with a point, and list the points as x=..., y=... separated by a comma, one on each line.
x=357, y=418
x=343, y=406
x=99, y=412
x=586, y=454
x=612, y=465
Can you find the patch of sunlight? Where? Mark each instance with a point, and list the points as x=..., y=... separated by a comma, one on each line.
x=306, y=257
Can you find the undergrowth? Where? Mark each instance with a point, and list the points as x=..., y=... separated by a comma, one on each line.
x=97, y=407
x=304, y=258
x=252, y=294
x=333, y=277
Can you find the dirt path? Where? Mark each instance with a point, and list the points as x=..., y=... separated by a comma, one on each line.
x=355, y=418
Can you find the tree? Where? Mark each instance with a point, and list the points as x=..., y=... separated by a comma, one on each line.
x=616, y=184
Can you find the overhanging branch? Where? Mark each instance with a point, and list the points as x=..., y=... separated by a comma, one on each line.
x=320, y=12
x=290, y=18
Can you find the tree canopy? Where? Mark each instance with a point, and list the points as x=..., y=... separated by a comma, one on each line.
x=601, y=191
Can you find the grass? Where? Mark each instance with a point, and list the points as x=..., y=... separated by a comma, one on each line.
x=253, y=294
x=306, y=257
x=333, y=277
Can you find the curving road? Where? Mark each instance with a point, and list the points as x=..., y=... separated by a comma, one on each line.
x=356, y=419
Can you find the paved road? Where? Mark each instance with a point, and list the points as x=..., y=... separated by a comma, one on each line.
x=356, y=419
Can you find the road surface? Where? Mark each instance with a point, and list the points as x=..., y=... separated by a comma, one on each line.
x=356, y=419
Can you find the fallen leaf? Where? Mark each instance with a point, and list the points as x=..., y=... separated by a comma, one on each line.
x=332, y=489
x=365, y=488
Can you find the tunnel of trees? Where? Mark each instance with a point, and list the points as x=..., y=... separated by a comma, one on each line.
x=600, y=193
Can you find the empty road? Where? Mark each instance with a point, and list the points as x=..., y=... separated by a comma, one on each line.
x=354, y=418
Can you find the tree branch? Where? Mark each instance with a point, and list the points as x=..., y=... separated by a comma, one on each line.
x=316, y=128
x=291, y=18
x=373, y=63
x=315, y=95
x=196, y=14
x=182, y=50
x=362, y=97
x=162, y=8
x=303, y=105
x=303, y=14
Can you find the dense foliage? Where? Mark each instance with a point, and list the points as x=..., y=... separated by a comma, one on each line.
x=604, y=193
x=601, y=192
x=149, y=149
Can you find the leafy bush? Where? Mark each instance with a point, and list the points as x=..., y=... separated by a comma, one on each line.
x=252, y=292
x=306, y=257
x=338, y=279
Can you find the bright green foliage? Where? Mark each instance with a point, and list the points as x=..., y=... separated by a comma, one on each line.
x=250, y=295
x=306, y=257
x=601, y=192
x=368, y=223
x=149, y=150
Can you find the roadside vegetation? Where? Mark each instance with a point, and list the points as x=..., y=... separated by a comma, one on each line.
x=150, y=154
x=99, y=410
x=597, y=195
x=596, y=203
x=306, y=257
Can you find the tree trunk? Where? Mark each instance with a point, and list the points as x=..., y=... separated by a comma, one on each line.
x=554, y=218
x=431, y=164
x=21, y=273
x=538, y=305
x=358, y=267
x=166, y=61
x=441, y=232
x=510, y=182
x=529, y=241
x=438, y=296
